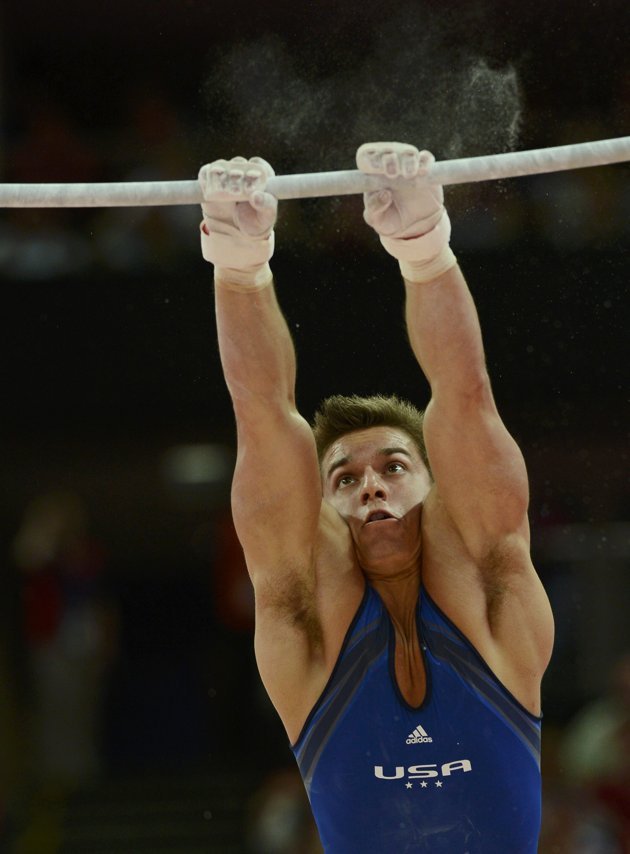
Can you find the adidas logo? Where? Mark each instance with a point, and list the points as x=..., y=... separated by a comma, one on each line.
x=418, y=736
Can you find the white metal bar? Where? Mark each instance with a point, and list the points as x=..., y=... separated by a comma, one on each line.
x=317, y=184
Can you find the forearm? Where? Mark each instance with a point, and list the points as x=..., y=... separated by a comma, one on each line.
x=444, y=333
x=415, y=229
x=256, y=349
x=237, y=238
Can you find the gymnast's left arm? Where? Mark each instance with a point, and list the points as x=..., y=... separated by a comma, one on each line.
x=479, y=471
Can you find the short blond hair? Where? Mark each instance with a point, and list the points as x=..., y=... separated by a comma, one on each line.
x=341, y=414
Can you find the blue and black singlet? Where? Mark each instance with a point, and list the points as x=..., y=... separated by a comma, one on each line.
x=460, y=774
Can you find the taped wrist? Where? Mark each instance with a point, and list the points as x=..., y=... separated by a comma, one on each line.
x=425, y=257
x=243, y=281
x=426, y=271
x=235, y=250
x=424, y=247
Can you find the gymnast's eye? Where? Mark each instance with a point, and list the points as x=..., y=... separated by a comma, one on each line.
x=394, y=468
x=344, y=480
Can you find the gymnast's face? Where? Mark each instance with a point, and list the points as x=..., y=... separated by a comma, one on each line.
x=377, y=481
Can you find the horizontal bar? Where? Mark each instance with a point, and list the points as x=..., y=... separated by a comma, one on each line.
x=319, y=184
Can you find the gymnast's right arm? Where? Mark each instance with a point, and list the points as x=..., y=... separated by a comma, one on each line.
x=276, y=491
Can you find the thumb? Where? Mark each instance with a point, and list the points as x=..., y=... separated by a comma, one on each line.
x=257, y=216
x=377, y=202
x=262, y=201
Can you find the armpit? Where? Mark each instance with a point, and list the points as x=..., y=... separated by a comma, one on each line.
x=501, y=564
x=293, y=601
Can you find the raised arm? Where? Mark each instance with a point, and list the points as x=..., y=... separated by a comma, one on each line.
x=277, y=506
x=480, y=478
x=276, y=495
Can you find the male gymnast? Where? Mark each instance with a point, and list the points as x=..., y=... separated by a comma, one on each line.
x=401, y=630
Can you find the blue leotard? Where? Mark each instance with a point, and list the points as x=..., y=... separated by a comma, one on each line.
x=460, y=774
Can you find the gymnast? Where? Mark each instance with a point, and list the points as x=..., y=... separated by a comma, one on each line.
x=401, y=629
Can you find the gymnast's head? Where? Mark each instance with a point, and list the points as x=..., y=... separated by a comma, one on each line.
x=360, y=436
x=341, y=414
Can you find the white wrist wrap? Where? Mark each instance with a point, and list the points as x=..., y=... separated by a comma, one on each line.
x=223, y=249
x=243, y=281
x=420, y=272
x=422, y=248
x=426, y=257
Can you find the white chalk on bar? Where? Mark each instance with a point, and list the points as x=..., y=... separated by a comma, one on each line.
x=317, y=184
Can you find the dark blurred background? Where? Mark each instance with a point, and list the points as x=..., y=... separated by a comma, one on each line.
x=131, y=717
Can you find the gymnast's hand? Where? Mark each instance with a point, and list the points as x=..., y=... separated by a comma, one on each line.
x=238, y=218
x=409, y=217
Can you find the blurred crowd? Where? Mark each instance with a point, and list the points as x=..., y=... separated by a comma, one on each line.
x=49, y=145
x=59, y=642
x=586, y=801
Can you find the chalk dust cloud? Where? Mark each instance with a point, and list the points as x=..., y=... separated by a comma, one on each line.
x=411, y=81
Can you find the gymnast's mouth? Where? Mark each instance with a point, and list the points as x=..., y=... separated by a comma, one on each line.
x=378, y=516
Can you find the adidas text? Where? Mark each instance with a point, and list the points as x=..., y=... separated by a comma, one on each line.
x=419, y=736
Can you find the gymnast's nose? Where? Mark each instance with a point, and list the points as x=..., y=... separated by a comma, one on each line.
x=372, y=486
